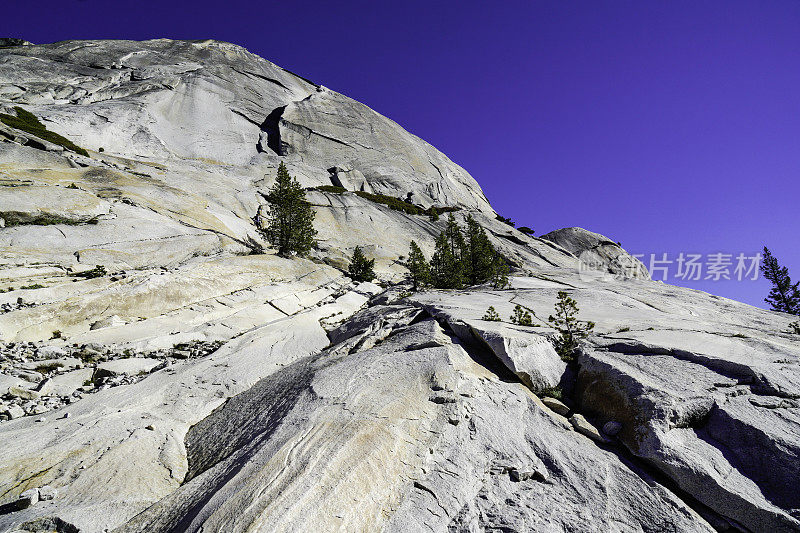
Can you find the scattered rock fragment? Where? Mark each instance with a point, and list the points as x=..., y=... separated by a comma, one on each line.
x=556, y=405
x=583, y=427
x=28, y=498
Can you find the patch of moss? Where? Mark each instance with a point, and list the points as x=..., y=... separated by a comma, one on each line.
x=27, y=122
x=34, y=286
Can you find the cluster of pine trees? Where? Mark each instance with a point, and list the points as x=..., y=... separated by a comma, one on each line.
x=463, y=257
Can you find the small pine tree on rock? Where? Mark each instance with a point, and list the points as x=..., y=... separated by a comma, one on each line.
x=794, y=328
x=419, y=271
x=784, y=295
x=521, y=317
x=571, y=330
x=361, y=268
x=290, y=219
x=491, y=315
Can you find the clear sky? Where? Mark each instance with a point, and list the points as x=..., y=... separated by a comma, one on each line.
x=670, y=126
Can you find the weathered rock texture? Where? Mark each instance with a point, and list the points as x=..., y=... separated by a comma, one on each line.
x=197, y=382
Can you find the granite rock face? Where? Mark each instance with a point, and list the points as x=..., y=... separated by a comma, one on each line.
x=162, y=370
x=598, y=252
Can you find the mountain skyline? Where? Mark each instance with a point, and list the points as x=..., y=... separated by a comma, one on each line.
x=666, y=127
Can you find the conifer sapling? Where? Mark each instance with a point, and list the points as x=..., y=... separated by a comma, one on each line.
x=361, y=268
x=418, y=268
x=571, y=330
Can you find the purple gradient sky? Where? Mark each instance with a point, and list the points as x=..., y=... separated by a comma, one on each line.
x=668, y=126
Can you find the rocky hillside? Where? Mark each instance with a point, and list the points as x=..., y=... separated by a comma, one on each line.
x=162, y=370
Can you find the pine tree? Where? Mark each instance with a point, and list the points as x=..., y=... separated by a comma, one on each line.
x=491, y=315
x=500, y=272
x=418, y=268
x=784, y=295
x=447, y=263
x=480, y=254
x=290, y=222
x=571, y=330
x=361, y=268
x=521, y=316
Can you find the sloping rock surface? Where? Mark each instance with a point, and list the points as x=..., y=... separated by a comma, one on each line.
x=170, y=373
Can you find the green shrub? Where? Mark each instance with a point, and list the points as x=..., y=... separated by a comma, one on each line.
x=505, y=220
x=526, y=230
x=27, y=122
x=72, y=186
x=552, y=392
x=394, y=203
x=34, y=286
x=491, y=315
x=623, y=330
x=794, y=328
x=96, y=272
x=521, y=317
x=57, y=334
x=406, y=207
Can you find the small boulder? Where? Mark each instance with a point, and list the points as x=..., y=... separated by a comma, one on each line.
x=14, y=411
x=108, y=322
x=51, y=352
x=25, y=394
x=368, y=289
x=28, y=498
x=583, y=427
x=556, y=406
x=519, y=475
x=47, y=493
x=67, y=383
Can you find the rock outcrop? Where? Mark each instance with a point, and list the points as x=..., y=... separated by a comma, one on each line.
x=598, y=252
x=162, y=370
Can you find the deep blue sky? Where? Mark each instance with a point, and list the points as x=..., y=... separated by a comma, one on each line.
x=668, y=126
